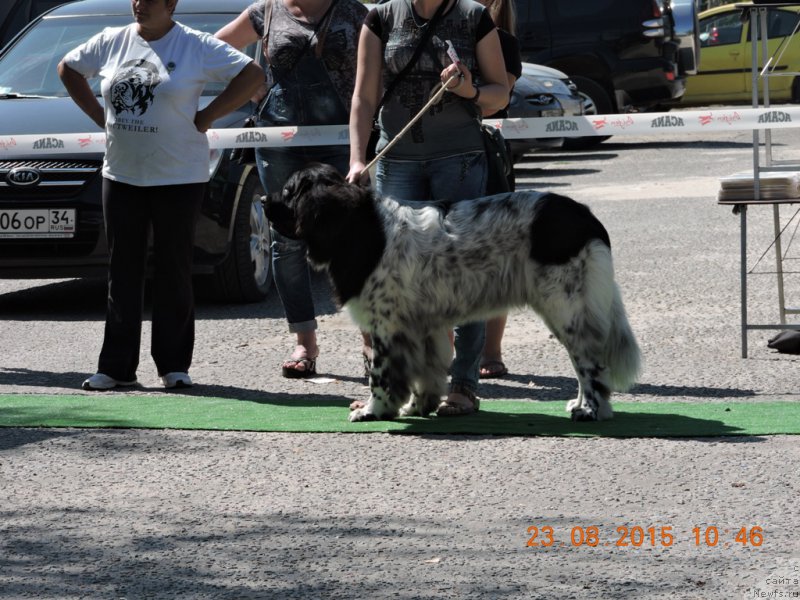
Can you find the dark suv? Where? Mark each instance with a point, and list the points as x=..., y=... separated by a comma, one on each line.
x=51, y=218
x=624, y=55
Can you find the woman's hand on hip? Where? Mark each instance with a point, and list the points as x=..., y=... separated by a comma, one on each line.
x=202, y=121
x=259, y=94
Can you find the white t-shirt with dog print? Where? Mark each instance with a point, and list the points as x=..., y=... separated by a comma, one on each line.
x=151, y=91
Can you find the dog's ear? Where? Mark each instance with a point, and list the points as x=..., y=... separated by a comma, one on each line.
x=322, y=203
x=328, y=210
x=316, y=210
x=313, y=174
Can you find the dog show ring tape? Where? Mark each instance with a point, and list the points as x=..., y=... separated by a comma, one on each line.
x=689, y=121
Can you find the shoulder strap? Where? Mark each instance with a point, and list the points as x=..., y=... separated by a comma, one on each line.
x=324, y=24
x=420, y=47
x=267, y=23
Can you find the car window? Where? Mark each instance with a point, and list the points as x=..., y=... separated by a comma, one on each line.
x=781, y=23
x=29, y=66
x=22, y=13
x=721, y=29
x=16, y=18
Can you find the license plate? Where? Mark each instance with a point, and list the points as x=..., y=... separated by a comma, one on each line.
x=38, y=223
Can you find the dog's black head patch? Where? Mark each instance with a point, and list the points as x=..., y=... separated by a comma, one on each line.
x=337, y=220
x=284, y=207
x=561, y=228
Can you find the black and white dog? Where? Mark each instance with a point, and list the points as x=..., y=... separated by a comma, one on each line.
x=408, y=275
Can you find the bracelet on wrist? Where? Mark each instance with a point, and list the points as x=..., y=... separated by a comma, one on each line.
x=477, y=93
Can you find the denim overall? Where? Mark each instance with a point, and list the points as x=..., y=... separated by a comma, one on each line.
x=301, y=95
x=304, y=95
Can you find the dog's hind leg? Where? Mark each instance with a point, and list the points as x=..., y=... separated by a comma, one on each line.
x=388, y=381
x=594, y=394
x=577, y=313
x=584, y=342
x=430, y=375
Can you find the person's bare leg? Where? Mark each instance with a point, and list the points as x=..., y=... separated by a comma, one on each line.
x=305, y=354
x=492, y=358
x=366, y=353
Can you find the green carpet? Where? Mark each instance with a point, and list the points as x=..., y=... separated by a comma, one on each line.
x=301, y=414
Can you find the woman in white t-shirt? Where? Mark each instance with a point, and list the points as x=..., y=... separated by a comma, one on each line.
x=155, y=173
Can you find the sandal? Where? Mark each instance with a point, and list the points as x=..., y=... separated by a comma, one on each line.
x=492, y=369
x=449, y=408
x=290, y=368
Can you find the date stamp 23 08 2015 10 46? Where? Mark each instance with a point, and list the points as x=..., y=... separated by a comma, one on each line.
x=626, y=536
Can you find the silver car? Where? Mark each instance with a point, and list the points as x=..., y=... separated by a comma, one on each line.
x=543, y=92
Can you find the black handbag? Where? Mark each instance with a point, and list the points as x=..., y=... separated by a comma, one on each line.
x=245, y=156
x=498, y=159
x=786, y=342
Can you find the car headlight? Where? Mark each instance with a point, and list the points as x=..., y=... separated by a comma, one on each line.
x=556, y=86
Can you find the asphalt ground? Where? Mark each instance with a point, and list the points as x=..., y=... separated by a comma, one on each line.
x=197, y=514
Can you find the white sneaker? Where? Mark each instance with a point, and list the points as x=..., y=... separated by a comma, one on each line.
x=176, y=380
x=101, y=381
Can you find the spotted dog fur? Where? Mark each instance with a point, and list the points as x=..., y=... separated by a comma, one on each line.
x=408, y=275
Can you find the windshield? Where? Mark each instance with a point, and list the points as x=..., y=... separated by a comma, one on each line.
x=29, y=67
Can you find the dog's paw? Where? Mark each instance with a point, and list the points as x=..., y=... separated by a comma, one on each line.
x=605, y=412
x=361, y=414
x=419, y=406
x=409, y=410
x=581, y=411
x=582, y=414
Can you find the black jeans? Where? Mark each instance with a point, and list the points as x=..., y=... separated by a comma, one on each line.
x=129, y=212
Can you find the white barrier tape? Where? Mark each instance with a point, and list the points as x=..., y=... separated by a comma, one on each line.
x=684, y=121
x=689, y=121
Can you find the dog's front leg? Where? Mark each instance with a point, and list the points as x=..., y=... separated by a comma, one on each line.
x=429, y=371
x=388, y=384
x=375, y=408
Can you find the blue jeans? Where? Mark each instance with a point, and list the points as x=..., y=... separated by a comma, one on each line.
x=454, y=178
x=289, y=265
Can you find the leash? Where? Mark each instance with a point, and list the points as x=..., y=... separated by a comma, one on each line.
x=433, y=100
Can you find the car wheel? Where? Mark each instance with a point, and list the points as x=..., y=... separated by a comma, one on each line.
x=596, y=101
x=796, y=90
x=246, y=273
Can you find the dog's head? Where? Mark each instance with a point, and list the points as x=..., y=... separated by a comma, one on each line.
x=284, y=208
x=317, y=205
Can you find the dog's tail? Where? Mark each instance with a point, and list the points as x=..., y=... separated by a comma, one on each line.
x=620, y=353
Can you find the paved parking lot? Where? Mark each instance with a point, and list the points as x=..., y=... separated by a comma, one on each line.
x=175, y=514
